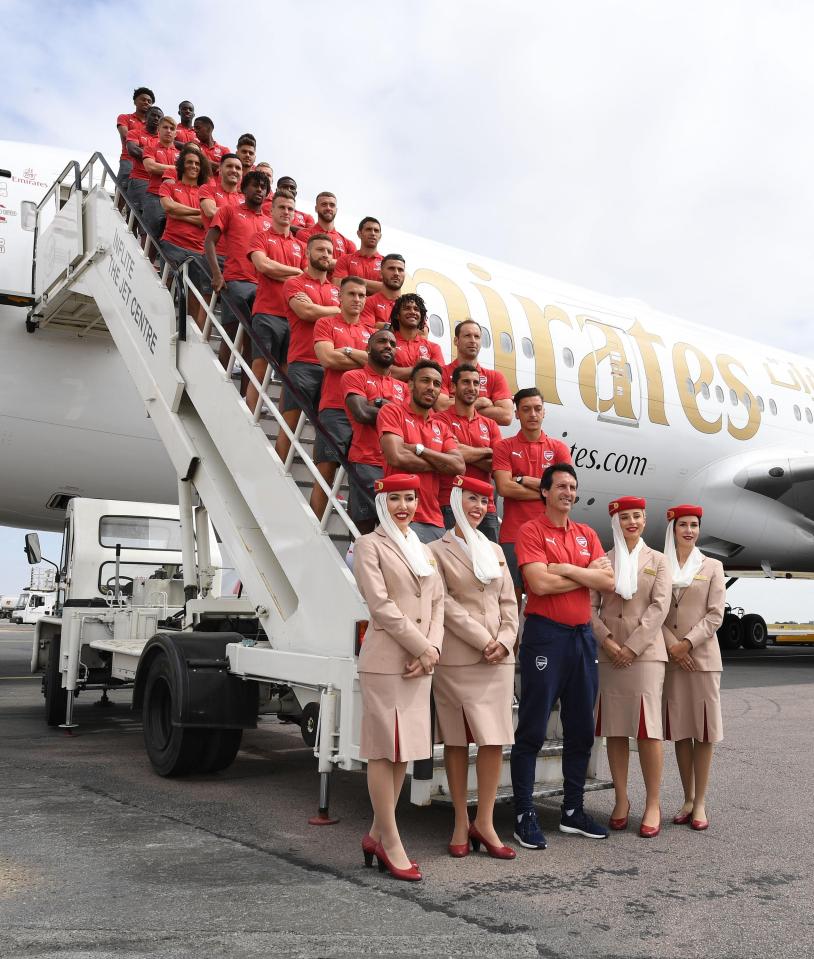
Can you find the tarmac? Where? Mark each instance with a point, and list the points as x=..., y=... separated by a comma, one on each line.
x=99, y=857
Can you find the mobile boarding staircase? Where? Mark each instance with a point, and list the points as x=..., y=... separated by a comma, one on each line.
x=97, y=271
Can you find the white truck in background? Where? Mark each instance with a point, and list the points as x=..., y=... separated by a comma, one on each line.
x=37, y=600
x=7, y=606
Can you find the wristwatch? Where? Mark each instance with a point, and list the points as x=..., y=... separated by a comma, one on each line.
x=379, y=402
x=419, y=449
x=518, y=480
x=347, y=350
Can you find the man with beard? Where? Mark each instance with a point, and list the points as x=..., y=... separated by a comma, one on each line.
x=413, y=439
x=379, y=306
x=326, y=215
x=308, y=297
x=137, y=141
x=366, y=261
x=495, y=400
x=246, y=150
x=366, y=391
x=223, y=190
x=408, y=321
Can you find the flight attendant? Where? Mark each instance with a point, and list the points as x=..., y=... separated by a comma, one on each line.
x=627, y=624
x=398, y=578
x=474, y=679
x=692, y=686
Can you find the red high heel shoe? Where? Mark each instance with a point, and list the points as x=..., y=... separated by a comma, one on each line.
x=699, y=825
x=682, y=818
x=369, y=850
x=496, y=852
x=413, y=874
x=619, y=824
x=650, y=832
x=458, y=849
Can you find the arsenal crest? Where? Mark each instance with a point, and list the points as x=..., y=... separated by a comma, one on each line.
x=541, y=662
x=581, y=541
x=548, y=455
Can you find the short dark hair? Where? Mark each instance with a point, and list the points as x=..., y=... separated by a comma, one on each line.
x=139, y=90
x=398, y=303
x=324, y=193
x=284, y=193
x=202, y=119
x=393, y=256
x=185, y=101
x=459, y=326
x=288, y=179
x=230, y=156
x=246, y=138
x=318, y=236
x=253, y=176
x=368, y=219
x=352, y=279
x=525, y=394
x=205, y=172
x=548, y=475
x=426, y=365
x=463, y=368
x=378, y=332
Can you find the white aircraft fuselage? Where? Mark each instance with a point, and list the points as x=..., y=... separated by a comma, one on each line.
x=649, y=404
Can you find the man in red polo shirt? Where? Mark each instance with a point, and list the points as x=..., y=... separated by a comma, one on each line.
x=379, y=305
x=416, y=440
x=138, y=140
x=495, y=400
x=366, y=391
x=222, y=190
x=159, y=162
x=518, y=463
x=185, y=132
x=308, y=297
x=408, y=320
x=561, y=562
x=340, y=344
x=300, y=220
x=366, y=261
x=143, y=99
x=213, y=151
x=477, y=436
x=276, y=255
x=326, y=216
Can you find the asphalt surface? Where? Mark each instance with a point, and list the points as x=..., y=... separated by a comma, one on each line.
x=99, y=857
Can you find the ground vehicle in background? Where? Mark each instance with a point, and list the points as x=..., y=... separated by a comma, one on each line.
x=7, y=606
x=38, y=604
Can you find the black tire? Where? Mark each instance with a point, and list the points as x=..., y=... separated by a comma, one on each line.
x=56, y=698
x=172, y=750
x=755, y=633
x=309, y=724
x=730, y=634
x=220, y=750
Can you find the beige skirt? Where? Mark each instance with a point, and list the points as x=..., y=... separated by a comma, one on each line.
x=629, y=701
x=692, y=705
x=395, y=717
x=473, y=704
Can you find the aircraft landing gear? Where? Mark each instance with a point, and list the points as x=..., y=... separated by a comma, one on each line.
x=738, y=629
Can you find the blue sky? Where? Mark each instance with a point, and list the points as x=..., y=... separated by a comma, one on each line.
x=648, y=150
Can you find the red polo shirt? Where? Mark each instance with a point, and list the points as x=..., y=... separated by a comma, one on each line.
x=492, y=382
x=377, y=310
x=523, y=458
x=238, y=225
x=364, y=447
x=165, y=155
x=181, y=232
x=301, y=339
x=185, y=134
x=356, y=264
x=214, y=154
x=339, y=333
x=133, y=123
x=420, y=348
x=541, y=542
x=283, y=249
x=144, y=140
x=434, y=433
x=342, y=244
x=479, y=431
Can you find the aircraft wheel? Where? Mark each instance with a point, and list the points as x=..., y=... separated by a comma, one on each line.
x=56, y=698
x=172, y=750
x=730, y=634
x=755, y=633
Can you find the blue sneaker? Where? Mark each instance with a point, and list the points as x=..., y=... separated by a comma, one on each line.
x=580, y=823
x=527, y=831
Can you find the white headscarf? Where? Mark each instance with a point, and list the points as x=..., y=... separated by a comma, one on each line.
x=625, y=561
x=682, y=575
x=484, y=559
x=410, y=545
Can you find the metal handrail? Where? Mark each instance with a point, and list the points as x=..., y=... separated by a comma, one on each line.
x=52, y=191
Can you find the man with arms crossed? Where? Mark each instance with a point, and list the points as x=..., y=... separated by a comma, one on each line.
x=561, y=562
x=495, y=400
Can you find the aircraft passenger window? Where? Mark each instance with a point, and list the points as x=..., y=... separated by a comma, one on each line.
x=28, y=215
x=719, y=394
x=436, y=324
x=773, y=407
x=506, y=343
x=809, y=417
x=527, y=347
x=629, y=372
x=760, y=404
x=705, y=390
x=591, y=501
x=747, y=401
x=797, y=414
x=733, y=397
x=568, y=357
x=486, y=337
x=690, y=386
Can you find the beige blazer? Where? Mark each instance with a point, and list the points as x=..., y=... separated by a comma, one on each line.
x=406, y=611
x=636, y=622
x=695, y=614
x=475, y=613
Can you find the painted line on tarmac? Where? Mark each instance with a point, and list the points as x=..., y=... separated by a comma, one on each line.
x=19, y=677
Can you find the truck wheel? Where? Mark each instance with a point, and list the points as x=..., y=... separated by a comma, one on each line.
x=172, y=750
x=56, y=698
x=755, y=633
x=220, y=749
x=729, y=632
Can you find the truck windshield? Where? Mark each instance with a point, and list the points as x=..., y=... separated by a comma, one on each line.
x=140, y=532
x=22, y=601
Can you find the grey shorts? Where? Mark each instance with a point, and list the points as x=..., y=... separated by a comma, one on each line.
x=153, y=215
x=511, y=562
x=307, y=378
x=426, y=532
x=242, y=292
x=488, y=525
x=176, y=256
x=136, y=191
x=272, y=332
x=337, y=425
x=123, y=176
x=360, y=510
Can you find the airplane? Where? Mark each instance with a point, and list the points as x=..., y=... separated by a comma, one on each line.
x=650, y=404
